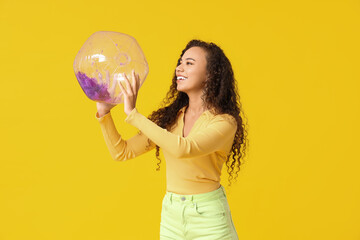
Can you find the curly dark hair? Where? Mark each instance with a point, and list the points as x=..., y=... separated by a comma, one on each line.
x=219, y=93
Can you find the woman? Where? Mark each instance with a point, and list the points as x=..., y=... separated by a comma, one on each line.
x=198, y=130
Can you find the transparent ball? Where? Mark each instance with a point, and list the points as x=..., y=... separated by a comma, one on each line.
x=102, y=60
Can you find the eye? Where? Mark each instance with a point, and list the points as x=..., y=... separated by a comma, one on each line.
x=186, y=63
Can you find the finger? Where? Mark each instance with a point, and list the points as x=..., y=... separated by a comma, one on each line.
x=128, y=86
x=138, y=82
x=134, y=81
x=113, y=85
x=100, y=77
x=122, y=88
x=107, y=78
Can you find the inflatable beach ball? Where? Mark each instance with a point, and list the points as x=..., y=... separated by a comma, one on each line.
x=101, y=62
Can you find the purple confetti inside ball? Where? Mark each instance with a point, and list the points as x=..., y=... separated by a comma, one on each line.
x=102, y=60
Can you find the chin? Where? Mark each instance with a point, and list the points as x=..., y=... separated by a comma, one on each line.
x=181, y=89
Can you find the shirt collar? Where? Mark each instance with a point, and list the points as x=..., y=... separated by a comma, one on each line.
x=182, y=110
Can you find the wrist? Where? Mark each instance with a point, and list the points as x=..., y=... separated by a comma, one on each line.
x=128, y=113
x=103, y=112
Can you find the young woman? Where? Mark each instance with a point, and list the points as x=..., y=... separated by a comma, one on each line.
x=198, y=129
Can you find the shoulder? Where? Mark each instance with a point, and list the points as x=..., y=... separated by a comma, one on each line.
x=224, y=117
x=229, y=118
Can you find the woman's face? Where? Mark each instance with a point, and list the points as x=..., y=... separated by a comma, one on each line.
x=193, y=68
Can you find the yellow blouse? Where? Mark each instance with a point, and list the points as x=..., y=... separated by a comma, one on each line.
x=193, y=163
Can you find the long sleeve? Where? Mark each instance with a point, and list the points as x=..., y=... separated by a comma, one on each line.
x=207, y=140
x=119, y=148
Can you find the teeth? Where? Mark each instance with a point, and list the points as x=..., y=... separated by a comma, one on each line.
x=181, y=78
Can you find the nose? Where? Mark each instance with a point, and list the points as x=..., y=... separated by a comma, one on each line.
x=179, y=69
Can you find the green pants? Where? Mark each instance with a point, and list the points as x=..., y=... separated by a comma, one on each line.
x=204, y=216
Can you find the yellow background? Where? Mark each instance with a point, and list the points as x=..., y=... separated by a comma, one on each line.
x=297, y=66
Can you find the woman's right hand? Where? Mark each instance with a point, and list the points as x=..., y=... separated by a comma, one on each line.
x=102, y=107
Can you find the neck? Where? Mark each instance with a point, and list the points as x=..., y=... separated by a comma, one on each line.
x=196, y=105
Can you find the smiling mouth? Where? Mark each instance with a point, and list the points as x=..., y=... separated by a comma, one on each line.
x=181, y=78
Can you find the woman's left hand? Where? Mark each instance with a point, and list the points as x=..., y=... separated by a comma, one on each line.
x=130, y=94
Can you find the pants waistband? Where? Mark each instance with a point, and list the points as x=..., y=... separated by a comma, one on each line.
x=217, y=193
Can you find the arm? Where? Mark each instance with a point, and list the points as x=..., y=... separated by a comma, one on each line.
x=205, y=141
x=120, y=149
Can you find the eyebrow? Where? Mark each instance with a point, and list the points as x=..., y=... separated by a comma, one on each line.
x=188, y=59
